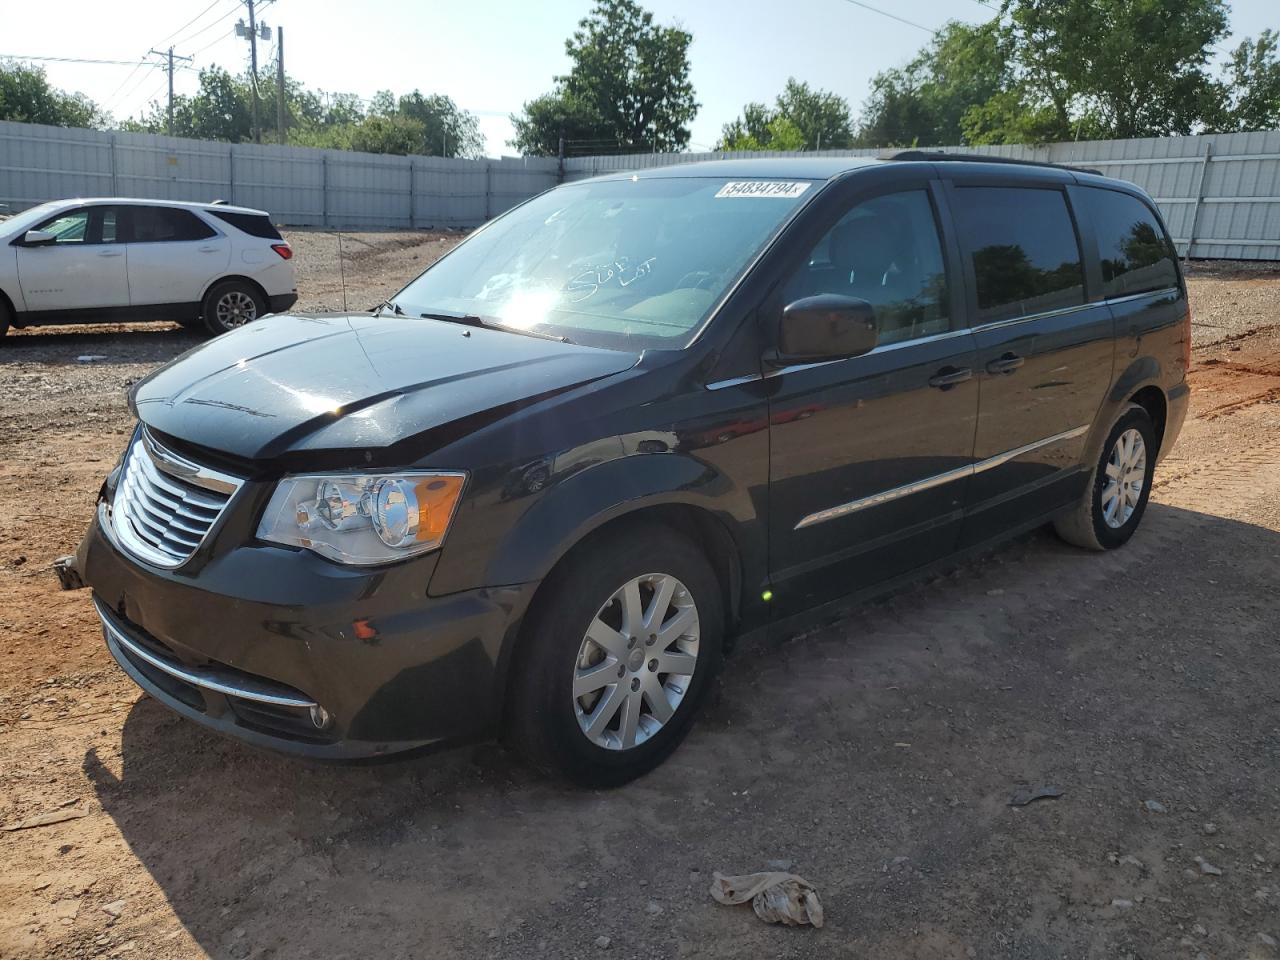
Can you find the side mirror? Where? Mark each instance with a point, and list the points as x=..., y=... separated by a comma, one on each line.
x=826, y=327
x=38, y=238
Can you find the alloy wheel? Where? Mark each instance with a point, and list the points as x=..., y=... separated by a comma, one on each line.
x=235, y=308
x=636, y=662
x=1126, y=474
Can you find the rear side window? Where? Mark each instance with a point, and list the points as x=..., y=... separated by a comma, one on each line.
x=1136, y=253
x=1022, y=242
x=167, y=225
x=253, y=224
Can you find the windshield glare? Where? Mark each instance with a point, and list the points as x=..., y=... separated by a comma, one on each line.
x=625, y=264
x=24, y=221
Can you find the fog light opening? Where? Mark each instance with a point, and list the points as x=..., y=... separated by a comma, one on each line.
x=320, y=717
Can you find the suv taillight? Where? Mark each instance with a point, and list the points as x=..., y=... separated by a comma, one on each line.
x=285, y=251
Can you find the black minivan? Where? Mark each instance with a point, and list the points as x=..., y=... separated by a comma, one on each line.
x=538, y=491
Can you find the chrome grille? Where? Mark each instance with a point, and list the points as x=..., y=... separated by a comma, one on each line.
x=164, y=504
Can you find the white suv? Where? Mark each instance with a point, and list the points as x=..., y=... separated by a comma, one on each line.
x=74, y=261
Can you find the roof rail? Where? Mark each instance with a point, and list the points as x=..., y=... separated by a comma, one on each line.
x=935, y=156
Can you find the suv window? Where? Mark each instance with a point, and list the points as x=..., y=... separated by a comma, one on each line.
x=885, y=251
x=70, y=227
x=254, y=224
x=1026, y=259
x=85, y=225
x=1136, y=253
x=167, y=225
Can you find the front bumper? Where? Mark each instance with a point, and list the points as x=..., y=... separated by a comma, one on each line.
x=258, y=636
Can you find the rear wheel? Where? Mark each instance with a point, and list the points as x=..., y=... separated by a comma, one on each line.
x=1116, y=498
x=6, y=317
x=618, y=653
x=230, y=305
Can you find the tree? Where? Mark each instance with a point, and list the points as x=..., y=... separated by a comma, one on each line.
x=1056, y=70
x=1250, y=95
x=628, y=87
x=447, y=130
x=925, y=102
x=27, y=97
x=801, y=119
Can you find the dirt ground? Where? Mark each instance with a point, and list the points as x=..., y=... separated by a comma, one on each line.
x=875, y=756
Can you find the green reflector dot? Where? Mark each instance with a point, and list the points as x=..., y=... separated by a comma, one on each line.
x=767, y=596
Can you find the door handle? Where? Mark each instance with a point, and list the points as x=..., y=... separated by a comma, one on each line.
x=1006, y=364
x=208, y=249
x=111, y=253
x=948, y=377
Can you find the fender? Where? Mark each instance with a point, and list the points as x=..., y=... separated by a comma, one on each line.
x=570, y=510
x=1145, y=371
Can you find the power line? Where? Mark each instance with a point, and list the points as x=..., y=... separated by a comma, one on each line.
x=892, y=16
x=114, y=63
x=191, y=21
x=216, y=22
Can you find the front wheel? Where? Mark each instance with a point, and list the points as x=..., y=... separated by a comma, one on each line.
x=231, y=304
x=620, y=649
x=1116, y=497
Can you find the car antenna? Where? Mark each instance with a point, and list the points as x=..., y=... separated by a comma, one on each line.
x=342, y=273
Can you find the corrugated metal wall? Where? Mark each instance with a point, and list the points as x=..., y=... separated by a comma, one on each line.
x=1221, y=189
x=298, y=185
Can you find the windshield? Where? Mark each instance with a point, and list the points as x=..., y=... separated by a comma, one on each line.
x=626, y=264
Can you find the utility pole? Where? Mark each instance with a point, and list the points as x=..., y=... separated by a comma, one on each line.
x=281, y=126
x=169, y=55
x=252, y=33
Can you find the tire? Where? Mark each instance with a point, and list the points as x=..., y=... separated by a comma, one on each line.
x=1100, y=521
x=231, y=304
x=6, y=317
x=564, y=734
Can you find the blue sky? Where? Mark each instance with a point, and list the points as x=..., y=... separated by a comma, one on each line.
x=492, y=55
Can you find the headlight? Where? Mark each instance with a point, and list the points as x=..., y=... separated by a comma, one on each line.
x=363, y=518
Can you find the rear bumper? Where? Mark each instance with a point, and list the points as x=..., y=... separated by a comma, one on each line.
x=281, y=302
x=260, y=635
x=1179, y=400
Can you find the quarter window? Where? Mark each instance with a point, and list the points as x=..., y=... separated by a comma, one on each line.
x=1023, y=248
x=885, y=251
x=167, y=225
x=1135, y=252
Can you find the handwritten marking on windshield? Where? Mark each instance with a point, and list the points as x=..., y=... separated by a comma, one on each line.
x=587, y=283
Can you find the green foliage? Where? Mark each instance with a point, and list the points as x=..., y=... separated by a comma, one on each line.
x=1047, y=70
x=801, y=119
x=413, y=124
x=627, y=88
x=1251, y=90
x=26, y=97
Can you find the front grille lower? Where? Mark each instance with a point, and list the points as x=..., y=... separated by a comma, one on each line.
x=164, y=504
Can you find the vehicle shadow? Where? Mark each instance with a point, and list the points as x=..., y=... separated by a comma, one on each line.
x=876, y=752
x=108, y=344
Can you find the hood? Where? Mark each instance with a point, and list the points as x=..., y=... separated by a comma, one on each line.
x=299, y=384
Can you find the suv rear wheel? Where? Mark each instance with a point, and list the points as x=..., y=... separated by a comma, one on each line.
x=231, y=304
x=618, y=653
x=1116, y=498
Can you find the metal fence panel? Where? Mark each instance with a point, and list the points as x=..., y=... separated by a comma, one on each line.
x=1220, y=193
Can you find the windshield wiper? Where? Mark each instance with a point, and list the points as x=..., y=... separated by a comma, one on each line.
x=471, y=320
x=395, y=308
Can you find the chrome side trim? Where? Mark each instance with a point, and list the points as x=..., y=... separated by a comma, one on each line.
x=179, y=466
x=928, y=483
x=1163, y=291
x=209, y=678
x=1011, y=321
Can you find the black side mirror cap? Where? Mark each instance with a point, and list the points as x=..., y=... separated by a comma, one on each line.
x=825, y=327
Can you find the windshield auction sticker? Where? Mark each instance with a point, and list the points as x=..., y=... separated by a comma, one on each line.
x=766, y=189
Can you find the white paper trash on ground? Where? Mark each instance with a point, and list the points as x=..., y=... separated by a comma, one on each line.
x=775, y=897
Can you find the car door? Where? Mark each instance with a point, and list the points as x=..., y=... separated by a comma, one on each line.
x=173, y=255
x=83, y=268
x=869, y=455
x=1045, y=350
